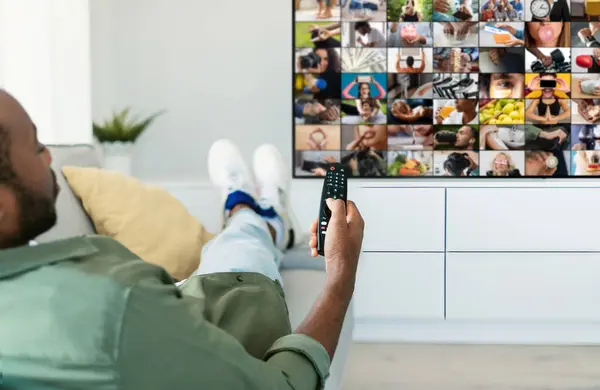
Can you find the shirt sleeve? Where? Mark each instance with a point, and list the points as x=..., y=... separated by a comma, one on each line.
x=299, y=110
x=531, y=133
x=425, y=30
x=520, y=34
x=474, y=53
x=166, y=342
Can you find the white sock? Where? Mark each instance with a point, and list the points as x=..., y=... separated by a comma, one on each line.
x=277, y=224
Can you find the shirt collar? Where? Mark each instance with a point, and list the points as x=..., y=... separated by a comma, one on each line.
x=26, y=258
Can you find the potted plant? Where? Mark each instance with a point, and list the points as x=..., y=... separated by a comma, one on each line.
x=118, y=135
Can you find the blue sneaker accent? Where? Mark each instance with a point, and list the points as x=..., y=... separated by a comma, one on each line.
x=240, y=197
x=267, y=213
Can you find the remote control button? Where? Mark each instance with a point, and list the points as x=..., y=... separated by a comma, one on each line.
x=323, y=223
x=332, y=168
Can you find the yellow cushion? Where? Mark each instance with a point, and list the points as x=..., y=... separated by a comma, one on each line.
x=592, y=7
x=147, y=220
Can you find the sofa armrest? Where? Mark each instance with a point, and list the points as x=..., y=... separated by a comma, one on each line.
x=302, y=287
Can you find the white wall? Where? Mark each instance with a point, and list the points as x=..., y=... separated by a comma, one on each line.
x=45, y=64
x=220, y=68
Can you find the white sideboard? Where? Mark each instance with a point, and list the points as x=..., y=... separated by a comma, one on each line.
x=474, y=262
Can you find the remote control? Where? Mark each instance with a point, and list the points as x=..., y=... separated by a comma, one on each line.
x=335, y=187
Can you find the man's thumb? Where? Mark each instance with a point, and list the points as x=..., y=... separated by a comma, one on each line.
x=338, y=209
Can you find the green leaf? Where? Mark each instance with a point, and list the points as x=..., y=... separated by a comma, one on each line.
x=121, y=128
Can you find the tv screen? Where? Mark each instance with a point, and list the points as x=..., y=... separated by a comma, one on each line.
x=470, y=89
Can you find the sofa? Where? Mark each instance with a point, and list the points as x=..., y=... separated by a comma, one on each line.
x=302, y=276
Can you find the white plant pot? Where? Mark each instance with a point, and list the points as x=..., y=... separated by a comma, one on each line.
x=117, y=157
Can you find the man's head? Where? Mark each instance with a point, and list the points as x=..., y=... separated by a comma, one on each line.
x=466, y=137
x=465, y=105
x=28, y=188
x=410, y=61
x=363, y=28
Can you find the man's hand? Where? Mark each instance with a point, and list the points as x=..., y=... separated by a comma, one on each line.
x=437, y=116
x=536, y=164
x=330, y=114
x=464, y=29
x=343, y=242
x=582, y=108
x=407, y=42
x=550, y=135
x=342, y=250
x=515, y=42
x=313, y=109
x=507, y=27
x=319, y=172
x=448, y=28
x=441, y=6
x=546, y=60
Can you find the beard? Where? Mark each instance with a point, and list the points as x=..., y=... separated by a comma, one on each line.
x=36, y=213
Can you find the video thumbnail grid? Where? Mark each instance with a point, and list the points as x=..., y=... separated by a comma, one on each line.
x=404, y=88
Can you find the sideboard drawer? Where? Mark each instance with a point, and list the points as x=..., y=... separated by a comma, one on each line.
x=400, y=286
x=402, y=219
x=523, y=219
x=523, y=286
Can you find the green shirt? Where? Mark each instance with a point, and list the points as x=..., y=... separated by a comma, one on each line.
x=85, y=313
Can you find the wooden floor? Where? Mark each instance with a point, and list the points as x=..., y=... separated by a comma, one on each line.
x=464, y=367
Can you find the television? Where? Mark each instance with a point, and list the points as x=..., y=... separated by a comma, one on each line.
x=396, y=89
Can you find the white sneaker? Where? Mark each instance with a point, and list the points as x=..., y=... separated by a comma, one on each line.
x=273, y=182
x=228, y=171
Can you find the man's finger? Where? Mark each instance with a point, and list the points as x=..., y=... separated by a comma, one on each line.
x=338, y=210
x=353, y=215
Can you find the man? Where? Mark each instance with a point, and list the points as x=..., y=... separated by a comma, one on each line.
x=86, y=313
x=368, y=36
x=410, y=64
x=466, y=138
x=464, y=114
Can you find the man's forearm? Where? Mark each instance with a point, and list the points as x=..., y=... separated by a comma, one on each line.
x=325, y=320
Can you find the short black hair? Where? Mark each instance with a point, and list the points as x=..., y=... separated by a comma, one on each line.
x=410, y=61
x=7, y=173
x=360, y=25
x=474, y=134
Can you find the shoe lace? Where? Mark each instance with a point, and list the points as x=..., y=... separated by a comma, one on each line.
x=235, y=181
x=278, y=196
